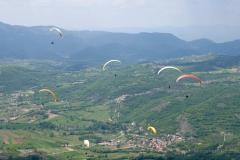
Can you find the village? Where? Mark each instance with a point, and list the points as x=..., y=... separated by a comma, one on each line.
x=137, y=138
x=157, y=144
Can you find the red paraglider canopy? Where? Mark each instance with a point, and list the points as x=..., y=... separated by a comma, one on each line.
x=189, y=76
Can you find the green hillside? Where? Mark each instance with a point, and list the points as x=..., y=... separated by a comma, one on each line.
x=100, y=107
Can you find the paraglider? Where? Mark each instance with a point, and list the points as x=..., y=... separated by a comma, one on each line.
x=109, y=62
x=191, y=76
x=58, y=31
x=168, y=67
x=152, y=130
x=171, y=68
x=55, y=99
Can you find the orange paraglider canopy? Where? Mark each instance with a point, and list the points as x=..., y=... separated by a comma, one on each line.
x=184, y=76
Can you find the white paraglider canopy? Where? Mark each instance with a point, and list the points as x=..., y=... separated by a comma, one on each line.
x=57, y=30
x=169, y=67
x=109, y=62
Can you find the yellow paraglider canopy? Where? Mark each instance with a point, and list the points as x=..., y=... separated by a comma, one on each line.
x=55, y=99
x=152, y=130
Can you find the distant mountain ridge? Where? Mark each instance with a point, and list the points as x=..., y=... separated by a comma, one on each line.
x=97, y=46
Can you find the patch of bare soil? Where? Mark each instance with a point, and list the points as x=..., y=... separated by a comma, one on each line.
x=52, y=115
x=160, y=107
x=184, y=125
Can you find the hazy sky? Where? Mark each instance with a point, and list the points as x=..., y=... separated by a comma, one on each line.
x=120, y=14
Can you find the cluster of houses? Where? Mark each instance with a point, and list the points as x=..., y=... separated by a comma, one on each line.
x=157, y=144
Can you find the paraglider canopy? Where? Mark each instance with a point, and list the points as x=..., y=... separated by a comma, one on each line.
x=152, y=130
x=57, y=30
x=55, y=99
x=168, y=67
x=109, y=62
x=191, y=76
